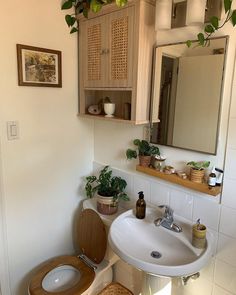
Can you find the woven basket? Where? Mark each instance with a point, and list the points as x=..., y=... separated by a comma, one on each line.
x=197, y=175
x=115, y=289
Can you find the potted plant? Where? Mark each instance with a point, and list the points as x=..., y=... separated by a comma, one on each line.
x=108, y=189
x=144, y=151
x=197, y=170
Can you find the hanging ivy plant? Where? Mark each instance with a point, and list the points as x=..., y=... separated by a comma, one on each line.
x=83, y=6
x=215, y=25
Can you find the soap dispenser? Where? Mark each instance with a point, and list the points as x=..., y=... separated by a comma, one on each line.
x=140, y=206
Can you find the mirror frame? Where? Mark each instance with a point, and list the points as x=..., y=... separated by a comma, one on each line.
x=220, y=100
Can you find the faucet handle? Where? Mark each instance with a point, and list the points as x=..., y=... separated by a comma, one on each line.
x=168, y=211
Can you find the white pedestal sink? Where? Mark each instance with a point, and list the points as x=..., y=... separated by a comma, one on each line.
x=156, y=250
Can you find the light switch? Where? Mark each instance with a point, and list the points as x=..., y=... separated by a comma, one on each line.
x=12, y=130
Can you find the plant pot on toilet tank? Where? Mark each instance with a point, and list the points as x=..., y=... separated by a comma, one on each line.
x=107, y=189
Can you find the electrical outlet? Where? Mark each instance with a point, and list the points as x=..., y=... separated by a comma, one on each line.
x=146, y=133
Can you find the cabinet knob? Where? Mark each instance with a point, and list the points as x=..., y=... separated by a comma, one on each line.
x=103, y=51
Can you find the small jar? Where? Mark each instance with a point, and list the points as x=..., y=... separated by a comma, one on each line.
x=199, y=236
x=158, y=162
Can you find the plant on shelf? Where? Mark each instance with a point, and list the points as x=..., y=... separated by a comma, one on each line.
x=144, y=151
x=197, y=170
x=109, y=189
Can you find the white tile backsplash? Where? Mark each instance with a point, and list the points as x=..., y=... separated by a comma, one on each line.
x=226, y=250
x=141, y=184
x=229, y=193
x=160, y=194
x=228, y=221
x=219, y=291
x=225, y=275
x=231, y=134
x=208, y=211
x=230, y=167
x=181, y=203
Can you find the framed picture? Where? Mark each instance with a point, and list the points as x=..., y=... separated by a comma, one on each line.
x=38, y=66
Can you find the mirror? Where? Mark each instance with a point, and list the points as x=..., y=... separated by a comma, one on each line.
x=186, y=95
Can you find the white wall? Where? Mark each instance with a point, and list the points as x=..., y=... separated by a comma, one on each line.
x=42, y=170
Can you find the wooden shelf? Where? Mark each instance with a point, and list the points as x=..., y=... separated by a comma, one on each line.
x=114, y=119
x=200, y=187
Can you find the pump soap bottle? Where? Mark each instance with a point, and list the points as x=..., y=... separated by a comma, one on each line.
x=141, y=206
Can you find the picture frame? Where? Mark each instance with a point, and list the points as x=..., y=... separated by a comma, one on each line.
x=38, y=66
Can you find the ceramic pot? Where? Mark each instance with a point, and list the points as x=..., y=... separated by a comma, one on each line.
x=109, y=109
x=199, y=236
x=106, y=205
x=197, y=175
x=145, y=161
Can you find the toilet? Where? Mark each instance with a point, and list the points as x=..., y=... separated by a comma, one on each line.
x=78, y=275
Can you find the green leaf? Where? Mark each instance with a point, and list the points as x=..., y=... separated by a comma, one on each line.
x=73, y=30
x=189, y=43
x=67, y=5
x=130, y=154
x=209, y=29
x=95, y=6
x=136, y=142
x=227, y=5
x=70, y=20
x=201, y=39
x=121, y=3
x=215, y=22
x=233, y=18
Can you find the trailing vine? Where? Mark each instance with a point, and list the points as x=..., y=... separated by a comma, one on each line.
x=84, y=6
x=215, y=25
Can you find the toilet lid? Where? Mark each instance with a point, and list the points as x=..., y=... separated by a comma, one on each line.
x=91, y=235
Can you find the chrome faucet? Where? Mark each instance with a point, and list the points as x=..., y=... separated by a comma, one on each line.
x=167, y=220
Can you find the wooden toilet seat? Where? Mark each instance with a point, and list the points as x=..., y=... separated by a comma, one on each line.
x=86, y=279
x=92, y=240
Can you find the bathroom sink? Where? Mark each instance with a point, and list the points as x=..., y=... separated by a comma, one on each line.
x=155, y=249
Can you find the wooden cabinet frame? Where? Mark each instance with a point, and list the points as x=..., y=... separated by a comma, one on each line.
x=141, y=39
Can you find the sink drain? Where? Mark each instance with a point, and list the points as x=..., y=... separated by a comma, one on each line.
x=156, y=254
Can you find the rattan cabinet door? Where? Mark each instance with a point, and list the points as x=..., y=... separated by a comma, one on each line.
x=94, y=52
x=121, y=32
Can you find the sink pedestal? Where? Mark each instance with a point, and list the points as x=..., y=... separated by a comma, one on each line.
x=155, y=285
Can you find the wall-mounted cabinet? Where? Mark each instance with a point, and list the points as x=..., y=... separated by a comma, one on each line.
x=115, y=59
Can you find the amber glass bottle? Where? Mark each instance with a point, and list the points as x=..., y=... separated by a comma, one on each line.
x=141, y=206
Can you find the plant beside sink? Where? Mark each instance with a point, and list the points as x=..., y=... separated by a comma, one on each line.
x=108, y=189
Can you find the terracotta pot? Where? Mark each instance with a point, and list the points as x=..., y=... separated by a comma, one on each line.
x=197, y=175
x=145, y=160
x=106, y=205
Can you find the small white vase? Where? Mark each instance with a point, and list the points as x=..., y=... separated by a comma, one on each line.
x=109, y=109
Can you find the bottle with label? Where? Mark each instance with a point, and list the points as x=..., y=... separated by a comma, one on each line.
x=219, y=177
x=141, y=206
x=212, y=178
